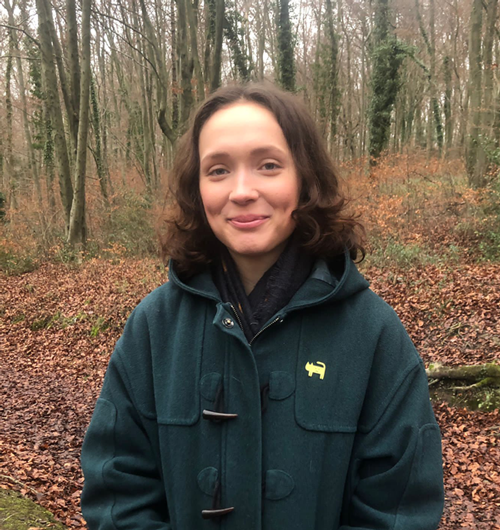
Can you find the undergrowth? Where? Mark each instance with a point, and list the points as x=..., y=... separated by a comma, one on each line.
x=419, y=212
x=416, y=212
x=122, y=229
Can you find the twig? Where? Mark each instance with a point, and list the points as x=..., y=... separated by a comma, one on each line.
x=470, y=387
x=19, y=483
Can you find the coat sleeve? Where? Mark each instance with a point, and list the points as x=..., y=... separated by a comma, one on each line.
x=396, y=476
x=123, y=486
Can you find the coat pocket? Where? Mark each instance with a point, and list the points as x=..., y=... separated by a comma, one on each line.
x=325, y=408
x=330, y=383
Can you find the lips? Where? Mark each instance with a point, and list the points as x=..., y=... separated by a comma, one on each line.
x=248, y=220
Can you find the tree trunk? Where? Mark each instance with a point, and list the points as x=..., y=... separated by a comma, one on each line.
x=286, y=47
x=146, y=131
x=261, y=36
x=98, y=155
x=48, y=156
x=104, y=117
x=496, y=116
x=448, y=124
x=364, y=86
x=489, y=66
x=232, y=33
x=9, y=165
x=248, y=47
x=319, y=85
x=476, y=179
x=71, y=112
x=74, y=66
x=270, y=23
x=478, y=372
x=434, y=113
x=187, y=100
x=387, y=59
x=152, y=128
x=349, y=140
x=161, y=71
x=77, y=228
x=487, y=115
x=217, y=58
x=200, y=92
x=174, y=59
x=32, y=165
x=54, y=107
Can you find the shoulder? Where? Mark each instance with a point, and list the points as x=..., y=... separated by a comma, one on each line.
x=381, y=314
x=373, y=319
x=156, y=317
x=156, y=335
x=393, y=347
x=159, y=298
x=157, y=305
x=395, y=361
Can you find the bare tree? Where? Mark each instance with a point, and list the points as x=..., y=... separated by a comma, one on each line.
x=77, y=232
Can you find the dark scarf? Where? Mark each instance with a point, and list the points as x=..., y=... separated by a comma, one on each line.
x=271, y=293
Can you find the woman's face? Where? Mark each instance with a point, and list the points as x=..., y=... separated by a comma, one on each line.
x=248, y=181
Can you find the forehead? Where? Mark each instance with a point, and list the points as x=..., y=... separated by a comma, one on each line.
x=241, y=124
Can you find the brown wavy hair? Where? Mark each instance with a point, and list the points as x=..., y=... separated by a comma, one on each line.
x=323, y=226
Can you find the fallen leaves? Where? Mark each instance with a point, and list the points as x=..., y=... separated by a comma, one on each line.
x=471, y=452
x=451, y=312
x=52, y=373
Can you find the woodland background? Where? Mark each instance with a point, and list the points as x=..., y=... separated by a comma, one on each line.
x=94, y=96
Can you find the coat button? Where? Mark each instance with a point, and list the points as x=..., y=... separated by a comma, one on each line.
x=228, y=323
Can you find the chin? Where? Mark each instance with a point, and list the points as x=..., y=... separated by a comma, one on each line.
x=249, y=251
x=254, y=250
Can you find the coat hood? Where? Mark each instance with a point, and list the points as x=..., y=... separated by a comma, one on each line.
x=327, y=283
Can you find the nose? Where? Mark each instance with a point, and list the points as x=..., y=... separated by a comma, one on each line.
x=244, y=189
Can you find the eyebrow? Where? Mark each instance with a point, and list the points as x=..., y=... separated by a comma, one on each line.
x=254, y=152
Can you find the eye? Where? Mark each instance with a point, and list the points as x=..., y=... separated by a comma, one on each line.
x=270, y=166
x=217, y=172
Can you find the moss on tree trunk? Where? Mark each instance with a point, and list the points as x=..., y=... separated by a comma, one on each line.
x=474, y=387
x=466, y=373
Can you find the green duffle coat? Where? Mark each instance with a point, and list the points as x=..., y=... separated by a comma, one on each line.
x=348, y=440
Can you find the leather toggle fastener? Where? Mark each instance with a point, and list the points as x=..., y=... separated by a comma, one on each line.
x=211, y=514
x=218, y=416
x=216, y=510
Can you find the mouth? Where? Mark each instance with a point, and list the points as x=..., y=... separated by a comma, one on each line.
x=248, y=221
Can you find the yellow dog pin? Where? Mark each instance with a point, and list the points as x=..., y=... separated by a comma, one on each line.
x=313, y=369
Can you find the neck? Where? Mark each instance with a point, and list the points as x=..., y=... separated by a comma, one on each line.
x=252, y=268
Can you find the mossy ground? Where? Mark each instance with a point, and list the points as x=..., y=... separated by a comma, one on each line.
x=19, y=513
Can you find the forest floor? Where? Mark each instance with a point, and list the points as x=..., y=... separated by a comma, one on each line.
x=58, y=326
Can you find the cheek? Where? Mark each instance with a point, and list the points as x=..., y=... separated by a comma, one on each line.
x=287, y=195
x=211, y=200
x=286, y=201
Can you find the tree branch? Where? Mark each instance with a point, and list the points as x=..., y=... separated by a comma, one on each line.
x=135, y=30
x=22, y=31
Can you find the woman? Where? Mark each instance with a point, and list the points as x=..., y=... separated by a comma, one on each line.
x=264, y=386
